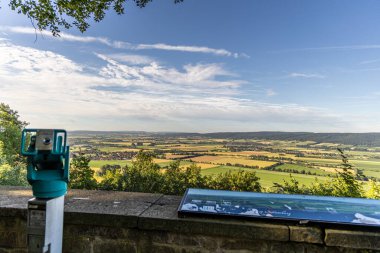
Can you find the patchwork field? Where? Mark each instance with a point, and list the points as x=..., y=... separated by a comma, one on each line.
x=272, y=160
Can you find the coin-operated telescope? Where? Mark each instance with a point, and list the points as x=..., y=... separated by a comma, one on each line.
x=47, y=162
x=48, y=172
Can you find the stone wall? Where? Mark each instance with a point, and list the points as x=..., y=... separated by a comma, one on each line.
x=100, y=221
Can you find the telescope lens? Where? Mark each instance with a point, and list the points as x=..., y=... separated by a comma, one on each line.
x=46, y=141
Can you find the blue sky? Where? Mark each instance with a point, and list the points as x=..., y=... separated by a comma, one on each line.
x=204, y=66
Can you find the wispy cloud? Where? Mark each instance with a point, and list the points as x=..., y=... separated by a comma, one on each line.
x=305, y=75
x=122, y=44
x=151, y=96
x=346, y=47
x=369, y=61
x=132, y=58
x=160, y=46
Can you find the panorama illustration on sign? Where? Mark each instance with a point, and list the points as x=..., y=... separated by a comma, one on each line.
x=353, y=211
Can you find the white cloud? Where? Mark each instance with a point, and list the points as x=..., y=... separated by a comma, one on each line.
x=132, y=59
x=122, y=44
x=50, y=90
x=306, y=75
x=328, y=48
x=193, y=49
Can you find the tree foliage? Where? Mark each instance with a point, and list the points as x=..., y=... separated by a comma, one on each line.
x=81, y=175
x=53, y=15
x=13, y=175
x=345, y=184
x=374, y=190
x=236, y=181
x=146, y=176
x=12, y=165
x=10, y=134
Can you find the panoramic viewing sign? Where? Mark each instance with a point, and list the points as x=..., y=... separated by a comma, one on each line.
x=319, y=209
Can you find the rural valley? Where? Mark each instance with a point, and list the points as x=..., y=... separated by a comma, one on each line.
x=272, y=155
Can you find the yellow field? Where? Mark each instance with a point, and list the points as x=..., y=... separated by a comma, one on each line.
x=205, y=165
x=198, y=149
x=333, y=170
x=156, y=160
x=206, y=158
x=257, y=153
x=173, y=156
x=232, y=160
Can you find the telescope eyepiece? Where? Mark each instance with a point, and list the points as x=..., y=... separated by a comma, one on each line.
x=46, y=141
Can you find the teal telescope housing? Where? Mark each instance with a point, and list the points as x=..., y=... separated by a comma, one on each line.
x=48, y=161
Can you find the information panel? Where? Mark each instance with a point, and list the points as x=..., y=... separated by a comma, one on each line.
x=318, y=209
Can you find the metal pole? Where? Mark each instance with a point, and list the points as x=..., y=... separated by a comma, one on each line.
x=45, y=225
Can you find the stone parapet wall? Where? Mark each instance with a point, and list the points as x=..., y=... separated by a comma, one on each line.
x=101, y=221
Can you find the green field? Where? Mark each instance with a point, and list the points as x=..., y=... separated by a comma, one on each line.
x=100, y=163
x=267, y=178
x=300, y=168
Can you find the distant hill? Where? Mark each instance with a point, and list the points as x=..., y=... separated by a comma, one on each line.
x=365, y=139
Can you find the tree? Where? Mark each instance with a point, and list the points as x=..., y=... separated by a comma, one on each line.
x=52, y=15
x=10, y=134
x=143, y=175
x=236, y=181
x=345, y=184
x=81, y=175
x=12, y=165
x=13, y=175
x=292, y=187
x=178, y=179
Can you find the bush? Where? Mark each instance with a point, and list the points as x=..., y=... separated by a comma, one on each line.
x=178, y=179
x=13, y=175
x=374, y=190
x=107, y=167
x=81, y=175
x=146, y=176
x=238, y=181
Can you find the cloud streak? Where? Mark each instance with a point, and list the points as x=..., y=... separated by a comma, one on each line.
x=124, y=45
x=305, y=75
x=328, y=48
x=150, y=96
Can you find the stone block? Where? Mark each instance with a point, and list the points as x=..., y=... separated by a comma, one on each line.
x=100, y=231
x=186, y=240
x=4, y=250
x=306, y=234
x=113, y=246
x=12, y=232
x=77, y=244
x=352, y=239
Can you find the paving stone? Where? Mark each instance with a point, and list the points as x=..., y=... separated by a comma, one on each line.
x=105, y=208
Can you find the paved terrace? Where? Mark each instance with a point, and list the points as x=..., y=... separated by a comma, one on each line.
x=105, y=221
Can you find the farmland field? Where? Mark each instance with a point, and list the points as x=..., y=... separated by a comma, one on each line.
x=272, y=160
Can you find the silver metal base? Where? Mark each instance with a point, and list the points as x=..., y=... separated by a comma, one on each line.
x=45, y=225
